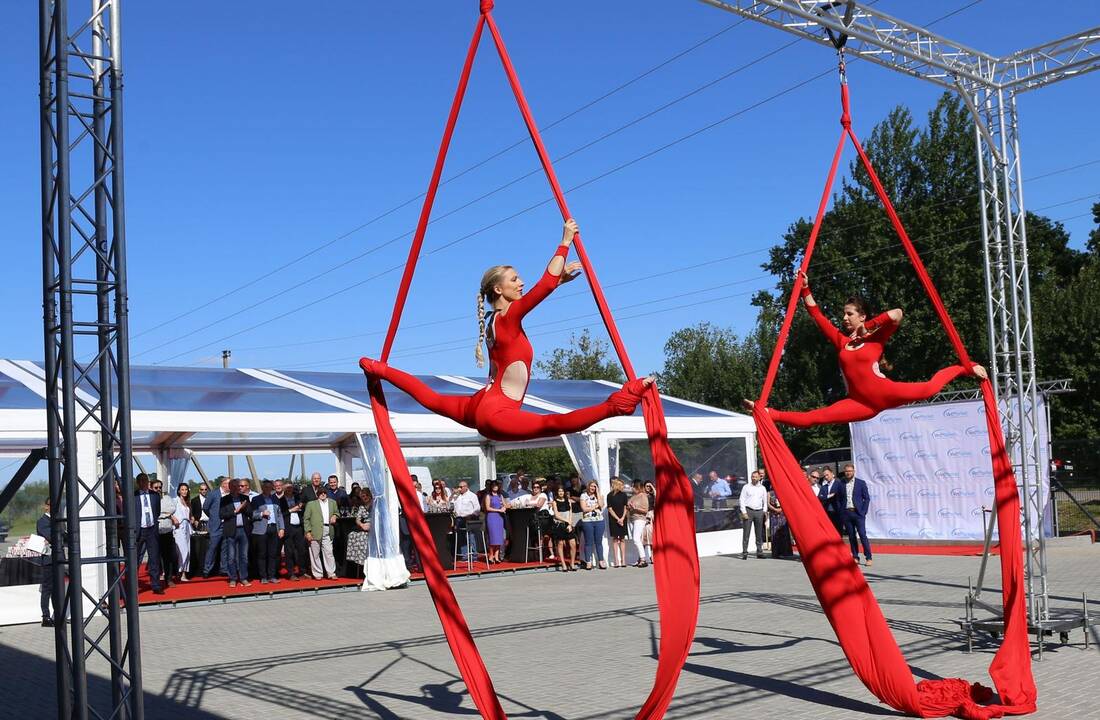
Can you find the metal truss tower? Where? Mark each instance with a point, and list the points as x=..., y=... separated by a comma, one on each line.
x=87, y=402
x=989, y=86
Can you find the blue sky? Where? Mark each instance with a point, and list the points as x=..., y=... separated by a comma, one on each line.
x=256, y=132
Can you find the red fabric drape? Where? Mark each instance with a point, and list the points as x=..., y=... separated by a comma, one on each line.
x=676, y=572
x=841, y=588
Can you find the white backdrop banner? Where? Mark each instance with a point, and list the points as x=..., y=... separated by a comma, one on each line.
x=929, y=470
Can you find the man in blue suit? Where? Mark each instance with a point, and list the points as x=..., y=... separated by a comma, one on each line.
x=147, y=504
x=852, y=500
x=212, y=507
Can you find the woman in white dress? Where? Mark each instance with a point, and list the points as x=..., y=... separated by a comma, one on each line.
x=182, y=527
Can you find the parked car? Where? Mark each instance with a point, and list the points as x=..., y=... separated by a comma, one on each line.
x=836, y=458
x=1061, y=470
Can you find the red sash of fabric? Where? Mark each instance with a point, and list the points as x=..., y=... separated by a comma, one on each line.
x=841, y=588
x=676, y=571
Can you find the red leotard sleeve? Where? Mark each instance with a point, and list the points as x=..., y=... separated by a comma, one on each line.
x=831, y=333
x=883, y=327
x=539, y=292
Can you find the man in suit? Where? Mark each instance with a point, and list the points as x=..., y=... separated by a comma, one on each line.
x=147, y=503
x=320, y=521
x=294, y=543
x=337, y=494
x=236, y=516
x=45, y=589
x=197, y=513
x=315, y=484
x=267, y=529
x=827, y=496
x=211, y=505
x=852, y=500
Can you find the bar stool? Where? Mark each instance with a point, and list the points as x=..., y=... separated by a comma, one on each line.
x=537, y=525
x=475, y=527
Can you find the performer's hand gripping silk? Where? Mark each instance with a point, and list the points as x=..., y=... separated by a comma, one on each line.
x=860, y=346
x=496, y=410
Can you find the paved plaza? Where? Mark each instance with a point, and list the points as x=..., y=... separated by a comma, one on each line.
x=578, y=646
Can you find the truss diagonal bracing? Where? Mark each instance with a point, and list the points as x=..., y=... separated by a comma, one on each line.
x=88, y=400
x=989, y=85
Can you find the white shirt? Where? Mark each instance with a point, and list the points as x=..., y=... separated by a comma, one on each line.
x=147, y=519
x=465, y=504
x=849, y=491
x=324, y=510
x=816, y=487
x=753, y=497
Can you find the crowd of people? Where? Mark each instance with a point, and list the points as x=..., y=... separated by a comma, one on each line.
x=247, y=529
x=287, y=523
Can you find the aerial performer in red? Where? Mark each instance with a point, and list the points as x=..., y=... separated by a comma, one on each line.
x=496, y=410
x=860, y=346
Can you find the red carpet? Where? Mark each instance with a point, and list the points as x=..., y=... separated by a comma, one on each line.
x=218, y=587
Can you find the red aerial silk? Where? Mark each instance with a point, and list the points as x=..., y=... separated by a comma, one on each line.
x=840, y=586
x=676, y=573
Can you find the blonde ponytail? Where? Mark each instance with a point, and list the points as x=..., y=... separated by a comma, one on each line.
x=486, y=294
x=478, y=354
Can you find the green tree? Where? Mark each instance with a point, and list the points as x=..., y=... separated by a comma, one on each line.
x=586, y=358
x=711, y=365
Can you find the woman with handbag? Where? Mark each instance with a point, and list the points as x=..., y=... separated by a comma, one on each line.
x=593, y=526
x=563, y=531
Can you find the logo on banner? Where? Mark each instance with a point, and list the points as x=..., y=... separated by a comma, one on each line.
x=880, y=439
x=914, y=513
x=959, y=453
x=928, y=493
x=962, y=492
x=981, y=409
x=889, y=420
x=885, y=514
x=896, y=532
x=924, y=455
x=944, y=434
x=986, y=452
x=975, y=431
x=989, y=492
x=946, y=513
x=898, y=494
x=893, y=456
x=863, y=458
x=944, y=475
x=910, y=436
x=976, y=512
x=980, y=473
x=920, y=416
x=955, y=413
x=914, y=476
x=882, y=477
x=962, y=533
x=926, y=533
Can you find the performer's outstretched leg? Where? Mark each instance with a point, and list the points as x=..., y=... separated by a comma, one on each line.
x=500, y=418
x=895, y=394
x=459, y=408
x=842, y=411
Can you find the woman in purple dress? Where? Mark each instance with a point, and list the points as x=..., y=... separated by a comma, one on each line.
x=494, y=520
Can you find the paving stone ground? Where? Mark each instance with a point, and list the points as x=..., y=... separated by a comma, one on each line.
x=579, y=646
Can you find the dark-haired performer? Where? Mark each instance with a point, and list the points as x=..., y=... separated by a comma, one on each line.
x=859, y=347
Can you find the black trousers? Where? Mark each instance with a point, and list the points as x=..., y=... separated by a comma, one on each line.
x=148, y=540
x=294, y=544
x=168, y=555
x=46, y=589
x=267, y=553
x=408, y=549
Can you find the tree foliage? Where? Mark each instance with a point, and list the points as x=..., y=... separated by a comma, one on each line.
x=586, y=358
x=711, y=365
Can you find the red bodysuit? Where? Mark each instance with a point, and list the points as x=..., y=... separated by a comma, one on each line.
x=869, y=392
x=489, y=410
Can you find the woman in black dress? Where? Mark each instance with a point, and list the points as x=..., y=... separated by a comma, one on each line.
x=563, y=530
x=616, y=522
